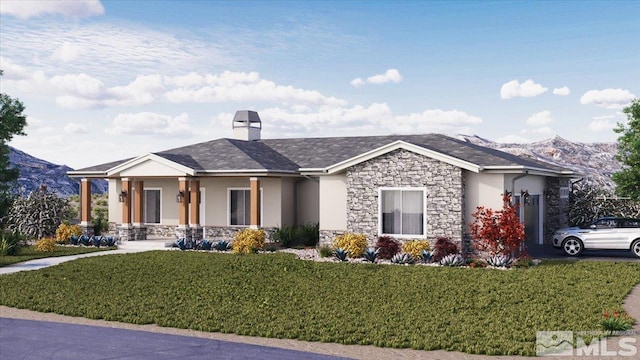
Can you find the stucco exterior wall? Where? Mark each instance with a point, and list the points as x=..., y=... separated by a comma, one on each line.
x=308, y=201
x=115, y=208
x=287, y=189
x=333, y=202
x=482, y=190
x=402, y=168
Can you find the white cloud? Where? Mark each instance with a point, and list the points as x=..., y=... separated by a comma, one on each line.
x=145, y=89
x=541, y=118
x=242, y=87
x=601, y=123
x=607, y=98
x=148, y=123
x=12, y=71
x=563, y=91
x=70, y=8
x=75, y=128
x=391, y=75
x=514, y=88
x=81, y=85
x=67, y=52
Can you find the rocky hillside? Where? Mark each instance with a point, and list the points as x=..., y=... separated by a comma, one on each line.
x=35, y=172
x=594, y=161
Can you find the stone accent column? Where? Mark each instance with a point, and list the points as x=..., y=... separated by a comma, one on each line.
x=183, y=230
x=255, y=202
x=139, y=229
x=194, y=210
x=125, y=230
x=85, y=207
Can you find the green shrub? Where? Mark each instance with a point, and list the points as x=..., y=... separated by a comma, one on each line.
x=415, y=247
x=298, y=235
x=248, y=241
x=100, y=222
x=353, y=244
x=325, y=251
x=387, y=246
x=10, y=243
x=47, y=244
x=66, y=231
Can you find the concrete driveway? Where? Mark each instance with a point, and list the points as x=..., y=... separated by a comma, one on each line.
x=31, y=339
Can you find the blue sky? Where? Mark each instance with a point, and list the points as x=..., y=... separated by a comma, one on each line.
x=108, y=80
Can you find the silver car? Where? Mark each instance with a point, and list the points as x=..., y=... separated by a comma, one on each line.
x=608, y=233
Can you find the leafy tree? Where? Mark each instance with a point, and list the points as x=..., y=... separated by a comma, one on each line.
x=12, y=122
x=39, y=214
x=498, y=231
x=628, y=179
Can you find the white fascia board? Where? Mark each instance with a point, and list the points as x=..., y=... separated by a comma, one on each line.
x=88, y=174
x=405, y=146
x=528, y=170
x=150, y=157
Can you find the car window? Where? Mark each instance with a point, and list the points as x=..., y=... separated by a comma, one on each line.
x=631, y=223
x=606, y=224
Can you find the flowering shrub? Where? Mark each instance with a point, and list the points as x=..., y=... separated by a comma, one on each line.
x=415, y=247
x=616, y=321
x=66, y=231
x=443, y=247
x=353, y=244
x=46, y=244
x=248, y=241
x=387, y=246
x=498, y=232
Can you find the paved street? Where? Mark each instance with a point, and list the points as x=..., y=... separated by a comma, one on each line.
x=30, y=339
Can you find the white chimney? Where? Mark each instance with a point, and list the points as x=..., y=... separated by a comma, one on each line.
x=246, y=125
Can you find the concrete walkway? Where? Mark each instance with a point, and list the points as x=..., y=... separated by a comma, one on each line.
x=124, y=248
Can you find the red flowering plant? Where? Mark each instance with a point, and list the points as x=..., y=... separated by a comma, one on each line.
x=615, y=321
x=498, y=231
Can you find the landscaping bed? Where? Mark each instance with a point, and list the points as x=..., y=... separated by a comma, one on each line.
x=481, y=311
x=27, y=253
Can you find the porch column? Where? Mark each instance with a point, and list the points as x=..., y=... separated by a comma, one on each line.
x=254, y=188
x=194, y=210
x=183, y=230
x=139, y=229
x=85, y=207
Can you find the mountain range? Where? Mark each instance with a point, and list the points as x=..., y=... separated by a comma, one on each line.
x=595, y=162
x=35, y=172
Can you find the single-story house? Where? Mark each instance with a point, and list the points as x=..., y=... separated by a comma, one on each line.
x=405, y=186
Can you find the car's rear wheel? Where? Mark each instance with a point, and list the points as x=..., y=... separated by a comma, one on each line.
x=572, y=246
x=635, y=248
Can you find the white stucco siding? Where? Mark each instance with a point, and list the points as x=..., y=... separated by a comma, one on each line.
x=482, y=190
x=533, y=183
x=168, y=190
x=150, y=168
x=288, y=202
x=333, y=202
x=308, y=202
x=217, y=201
x=115, y=208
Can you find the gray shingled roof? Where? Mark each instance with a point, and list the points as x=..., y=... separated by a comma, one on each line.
x=289, y=155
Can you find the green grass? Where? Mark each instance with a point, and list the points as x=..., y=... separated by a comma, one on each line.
x=27, y=253
x=470, y=310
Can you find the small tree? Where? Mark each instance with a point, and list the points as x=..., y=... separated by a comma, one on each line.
x=39, y=214
x=498, y=232
x=628, y=179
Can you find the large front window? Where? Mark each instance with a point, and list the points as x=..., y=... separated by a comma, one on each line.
x=240, y=207
x=402, y=211
x=152, y=205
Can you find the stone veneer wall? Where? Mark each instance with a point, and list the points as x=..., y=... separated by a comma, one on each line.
x=556, y=209
x=402, y=168
x=228, y=232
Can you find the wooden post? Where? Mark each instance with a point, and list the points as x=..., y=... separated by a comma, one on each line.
x=255, y=202
x=85, y=202
x=138, y=198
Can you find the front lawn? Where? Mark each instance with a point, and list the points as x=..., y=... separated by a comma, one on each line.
x=275, y=295
x=27, y=253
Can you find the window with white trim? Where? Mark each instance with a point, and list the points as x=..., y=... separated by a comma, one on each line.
x=240, y=206
x=152, y=206
x=402, y=211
